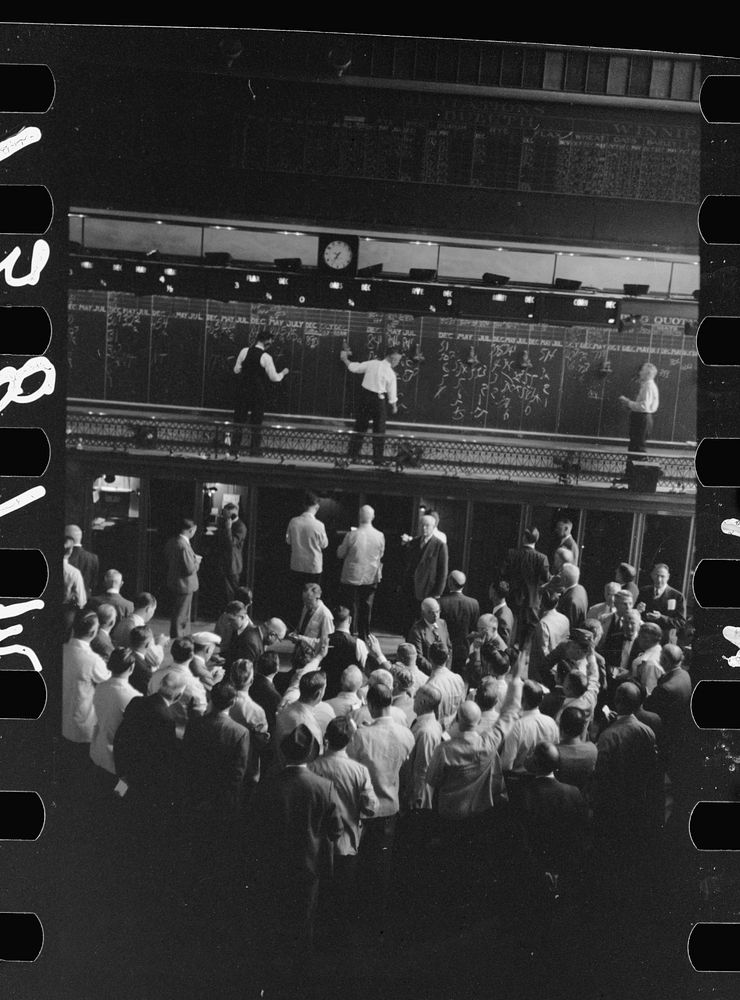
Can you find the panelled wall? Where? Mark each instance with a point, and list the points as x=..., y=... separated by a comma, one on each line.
x=129, y=520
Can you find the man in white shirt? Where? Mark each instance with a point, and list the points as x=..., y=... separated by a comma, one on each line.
x=302, y=711
x=645, y=667
x=354, y=791
x=347, y=702
x=379, y=390
x=642, y=409
x=383, y=747
x=531, y=728
x=311, y=640
x=552, y=629
x=450, y=685
x=356, y=802
x=428, y=734
x=306, y=536
x=82, y=669
x=110, y=699
x=605, y=611
x=362, y=550
x=193, y=700
x=74, y=594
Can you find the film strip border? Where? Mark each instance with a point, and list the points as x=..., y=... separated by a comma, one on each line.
x=714, y=822
x=32, y=324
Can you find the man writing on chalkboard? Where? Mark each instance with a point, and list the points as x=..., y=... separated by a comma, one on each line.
x=642, y=409
x=379, y=390
x=257, y=369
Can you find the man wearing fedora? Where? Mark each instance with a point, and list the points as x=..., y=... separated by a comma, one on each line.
x=296, y=822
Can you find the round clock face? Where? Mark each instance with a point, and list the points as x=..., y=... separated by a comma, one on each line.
x=338, y=255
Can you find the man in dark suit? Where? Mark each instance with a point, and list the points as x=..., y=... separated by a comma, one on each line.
x=345, y=650
x=263, y=691
x=295, y=822
x=145, y=605
x=231, y=533
x=426, y=569
x=622, y=647
x=182, y=577
x=428, y=630
x=525, y=570
x=573, y=601
x=215, y=757
x=554, y=815
x=147, y=757
x=244, y=638
x=663, y=604
x=626, y=779
x=259, y=636
x=86, y=562
x=460, y=612
x=113, y=582
x=671, y=700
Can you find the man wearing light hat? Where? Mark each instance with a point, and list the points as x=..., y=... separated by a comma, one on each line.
x=461, y=613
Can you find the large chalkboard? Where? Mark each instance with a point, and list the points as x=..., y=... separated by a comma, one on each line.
x=455, y=372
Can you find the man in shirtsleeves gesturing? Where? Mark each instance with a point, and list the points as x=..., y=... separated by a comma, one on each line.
x=379, y=390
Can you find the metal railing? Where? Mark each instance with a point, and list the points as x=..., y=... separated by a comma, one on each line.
x=446, y=455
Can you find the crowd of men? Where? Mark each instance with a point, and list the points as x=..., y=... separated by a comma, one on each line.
x=531, y=728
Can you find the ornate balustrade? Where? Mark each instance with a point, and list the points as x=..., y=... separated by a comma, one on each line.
x=508, y=459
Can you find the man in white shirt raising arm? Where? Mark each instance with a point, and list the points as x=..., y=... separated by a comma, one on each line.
x=379, y=390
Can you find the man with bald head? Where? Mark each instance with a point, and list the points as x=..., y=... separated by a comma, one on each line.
x=427, y=564
x=86, y=562
x=427, y=631
x=113, y=581
x=361, y=550
x=465, y=771
x=460, y=612
x=573, y=601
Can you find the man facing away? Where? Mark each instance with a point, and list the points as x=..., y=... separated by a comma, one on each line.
x=460, y=612
x=86, y=562
x=378, y=392
x=295, y=822
x=356, y=802
x=382, y=747
x=306, y=536
x=113, y=581
x=361, y=550
x=257, y=370
x=345, y=650
x=525, y=570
